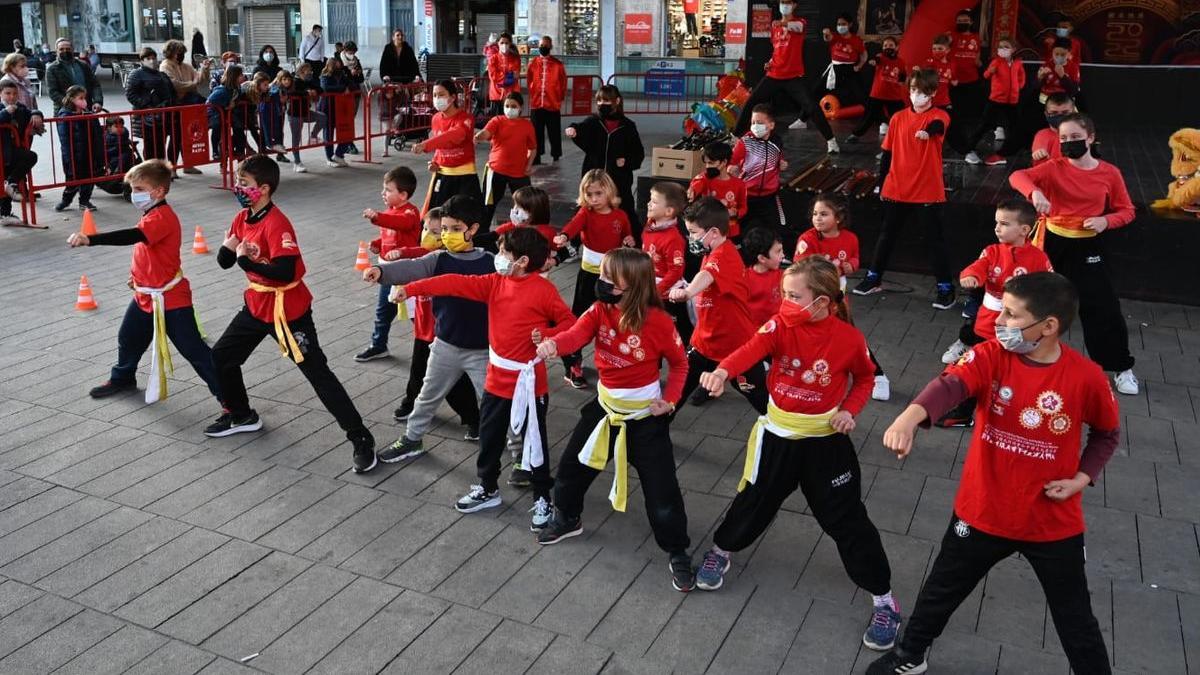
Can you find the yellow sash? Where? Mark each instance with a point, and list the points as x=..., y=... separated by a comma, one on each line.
x=595, y=450
x=463, y=170
x=283, y=334
x=791, y=426
x=1064, y=226
x=160, y=354
x=406, y=310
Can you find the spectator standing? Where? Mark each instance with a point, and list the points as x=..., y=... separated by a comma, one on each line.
x=268, y=62
x=198, y=51
x=16, y=70
x=68, y=71
x=398, y=63
x=145, y=89
x=504, y=74
x=312, y=48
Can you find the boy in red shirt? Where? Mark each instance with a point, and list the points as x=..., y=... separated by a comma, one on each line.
x=1059, y=73
x=547, y=78
x=1007, y=75
x=1045, y=141
x=719, y=291
x=889, y=90
x=912, y=185
x=263, y=244
x=513, y=147
x=847, y=56
x=717, y=182
x=399, y=228
x=940, y=63
x=1021, y=486
x=161, y=292
x=663, y=242
x=757, y=159
x=762, y=252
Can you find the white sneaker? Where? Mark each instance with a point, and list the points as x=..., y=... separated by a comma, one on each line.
x=10, y=190
x=1127, y=382
x=831, y=146
x=883, y=388
x=541, y=515
x=341, y=161
x=298, y=167
x=883, y=129
x=10, y=221
x=954, y=353
x=972, y=158
x=999, y=134
x=330, y=162
x=798, y=124
x=278, y=147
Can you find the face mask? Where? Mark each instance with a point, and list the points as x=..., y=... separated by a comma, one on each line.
x=268, y=57
x=604, y=292
x=1074, y=149
x=65, y=56
x=503, y=265
x=512, y=113
x=1013, y=339
x=349, y=58
x=1062, y=32
x=759, y=130
x=1004, y=52
x=247, y=196
x=456, y=242
x=786, y=9
x=1060, y=60
x=503, y=48
x=697, y=246
x=711, y=172
x=964, y=28
x=518, y=215
x=441, y=103
x=843, y=30
x=430, y=241
x=605, y=109
x=544, y=51
x=1054, y=120
x=151, y=64
x=142, y=200
x=793, y=314
x=918, y=99
x=890, y=53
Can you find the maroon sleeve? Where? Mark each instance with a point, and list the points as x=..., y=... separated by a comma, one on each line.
x=1098, y=450
x=940, y=396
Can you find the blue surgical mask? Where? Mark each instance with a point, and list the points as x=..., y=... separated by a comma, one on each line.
x=843, y=30
x=142, y=200
x=503, y=265
x=1062, y=32
x=1013, y=338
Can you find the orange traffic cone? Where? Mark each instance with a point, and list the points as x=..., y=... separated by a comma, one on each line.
x=85, y=301
x=89, y=224
x=199, y=245
x=362, y=262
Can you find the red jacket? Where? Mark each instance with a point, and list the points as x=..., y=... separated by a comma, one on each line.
x=500, y=66
x=1008, y=79
x=547, y=81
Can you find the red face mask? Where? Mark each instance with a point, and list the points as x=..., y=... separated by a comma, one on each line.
x=794, y=314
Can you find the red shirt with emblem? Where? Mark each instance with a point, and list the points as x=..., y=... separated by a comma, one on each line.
x=996, y=265
x=838, y=249
x=399, y=227
x=156, y=261
x=729, y=191
x=964, y=54
x=816, y=366
x=945, y=71
x=601, y=232
x=665, y=246
x=915, y=175
x=787, y=50
x=273, y=237
x=452, y=139
x=845, y=48
x=722, y=316
x=628, y=359
x=890, y=83
x=511, y=142
x=765, y=293
x=1029, y=421
x=1047, y=139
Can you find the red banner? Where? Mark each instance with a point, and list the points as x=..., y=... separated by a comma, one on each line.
x=760, y=21
x=581, y=95
x=735, y=33
x=1004, y=19
x=194, y=125
x=343, y=106
x=639, y=29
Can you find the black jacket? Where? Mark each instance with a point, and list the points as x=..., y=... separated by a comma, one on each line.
x=19, y=118
x=82, y=144
x=602, y=148
x=145, y=89
x=402, y=67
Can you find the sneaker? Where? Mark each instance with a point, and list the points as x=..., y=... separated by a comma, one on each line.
x=851, y=140
x=298, y=167
x=537, y=161
x=870, y=284
x=898, y=662
x=365, y=458
x=972, y=157
x=10, y=190
x=541, y=515
x=881, y=632
x=994, y=160
x=9, y=220
x=191, y=171
x=572, y=252
x=87, y=206
x=882, y=390
x=798, y=124
x=559, y=528
x=477, y=500
x=109, y=388
x=278, y=148
x=341, y=161
x=62, y=206
x=406, y=407
x=282, y=159
x=520, y=478
x=700, y=396
x=575, y=378
x=403, y=448
x=944, y=299
x=711, y=573
x=831, y=146
x=228, y=425
x=1127, y=382
x=883, y=129
x=472, y=433
x=683, y=577
x=954, y=352
x=371, y=353
x=353, y=149
x=330, y=162
x=971, y=306
x=998, y=134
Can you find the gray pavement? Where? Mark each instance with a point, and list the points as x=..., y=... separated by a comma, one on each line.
x=130, y=542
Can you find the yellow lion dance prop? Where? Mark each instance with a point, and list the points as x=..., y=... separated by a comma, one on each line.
x=1184, y=191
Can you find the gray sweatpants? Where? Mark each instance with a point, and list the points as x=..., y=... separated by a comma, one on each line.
x=446, y=365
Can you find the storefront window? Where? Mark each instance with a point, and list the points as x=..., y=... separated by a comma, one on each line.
x=696, y=28
x=581, y=27
x=162, y=20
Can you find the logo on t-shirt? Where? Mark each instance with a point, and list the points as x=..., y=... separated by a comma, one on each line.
x=962, y=529
x=1050, y=402
x=286, y=241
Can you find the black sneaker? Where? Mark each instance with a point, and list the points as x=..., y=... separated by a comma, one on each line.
x=62, y=206
x=520, y=478
x=228, y=425
x=575, y=378
x=683, y=577
x=945, y=298
x=406, y=407
x=472, y=433
x=365, y=458
x=700, y=396
x=371, y=353
x=401, y=450
x=110, y=388
x=870, y=284
x=898, y=662
x=971, y=306
x=559, y=528
x=478, y=499
x=87, y=206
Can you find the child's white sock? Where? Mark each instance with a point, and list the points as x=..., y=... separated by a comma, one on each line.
x=885, y=600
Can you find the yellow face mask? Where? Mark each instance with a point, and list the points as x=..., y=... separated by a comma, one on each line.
x=455, y=242
x=430, y=241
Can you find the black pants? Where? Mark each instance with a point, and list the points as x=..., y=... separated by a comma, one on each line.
x=826, y=470
x=692, y=28
x=461, y=397
x=878, y=111
x=997, y=114
x=895, y=216
x=1104, y=332
x=629, y=205
x=966, y=556
x=650, y=453
x=240, y=340
x=84, y=191
x=848, y=88
x=585, y=296
x=19, y=163
x=547, y=124
x=494, y=187
x=137, y=331
x=160, y=139
x=683, y=322
x=768, y=90
x=956, y=131
x=699, y=364
x=968, y=98
x=767, y=211
x=493, y=429
x=444, y=187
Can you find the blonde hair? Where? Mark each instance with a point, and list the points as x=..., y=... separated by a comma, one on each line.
x=281, y=76
x=13, y=60
x=822, y=278
x=634, y=270
x=156, y=172
x=605, y=181
x=251, y=92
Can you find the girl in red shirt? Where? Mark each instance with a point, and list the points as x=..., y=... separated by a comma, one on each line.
x=630, y=416
x=513, y=147
x=450, y=139
x=847, y=56
x=819, y=382
x=889, y=89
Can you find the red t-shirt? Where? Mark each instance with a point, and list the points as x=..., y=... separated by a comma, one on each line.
x=273, y=237
x=845, y=48
x=666, y=247
x=816, y=366
x=964, y=54
x=729, y=191
x=516, y=306
x=511, y=142
x=839, y=249
x=722, y=317
x=765, y=294
x=1029, y=421
x=1078, y=192
x=399, y=227
x=787, y=50
x=890, y=83
x=945, y=71
x=601, y=232
x=1047, y=139
x=915, y=175
x=629, y=360
x=549, y=233
x=1052, y=83
x=156, y=261
x=995, y=266
x=452, y=139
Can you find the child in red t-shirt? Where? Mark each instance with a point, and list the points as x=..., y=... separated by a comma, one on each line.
x=263, y=244
x=847, y=56
x=717, y=182
x=889, y=90
x=531, y=208
x=1024, y=474
x=1045, y=141
x=632, y=337
x=762, y=251
x=662, y=240
x=721, y=301
x=1007, y=76
x=941, y=62
x=819, y=382
x=160, y=290
x=912, y=186
x=1059, y=73
x=451, y=139
x=513, y=148
x=399, y=228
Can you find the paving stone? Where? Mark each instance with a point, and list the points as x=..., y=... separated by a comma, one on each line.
x=569, y=655
x=243, y=498
x=173, y=657
x=259, y=520
x=1169, y=401
x=21, y=488
x=385, y=635
x=115, y=653
x=45, y=530
x=60, y=644
x=540, y=580
x=760, y=639
x=966, y=654
x=165, y=482
x=225, y=667
x=1176, y=489
x=1015, y=659
x=1112, y=544
x=489, y=570
x=75, y=545
x=1014, y=606
x=1131, y=485
x=692, y=637
x=30, y=621
x=446, y=643
x=1189, y=614
x=1150, y=439
x=14, y=595
x=444, y=554
x=53, y=454
x=588, y=597
x=828, y=638
x=305, y=525
x=893, y=499
x=361, y=529
x=1170, y=557
x=192, y=495
x=511, y=648
x=641, y=613
x=1147, y=629
x=44, y=503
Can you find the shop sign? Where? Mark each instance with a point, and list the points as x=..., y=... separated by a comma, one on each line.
x=735, y=33
x=639, y=29
x=665, y=78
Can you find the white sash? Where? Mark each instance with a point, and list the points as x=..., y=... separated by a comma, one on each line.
x=591, y=259
x=523, y=414
x=156, y=389
x=993, y=302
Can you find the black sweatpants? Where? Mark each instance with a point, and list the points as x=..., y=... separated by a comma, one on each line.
x=826, y=470
x=699, y=364
x=461, y=397
x=444, y=187
x=244, y=335
x=494, y=186
x=966, y=556
x=767, y=211
x=848, y=90
x=1104, y=332
x=997, y=114
x=650, y=453
x=494, y=414
x=683, y=322
x=956, y=130
x=17, y=166
x=585, y=297
x=895, y=216
x=547, y=124
x=878, y=111
x=137, y=331
x=768, y=90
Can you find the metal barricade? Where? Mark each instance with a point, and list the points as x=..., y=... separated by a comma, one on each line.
x=11, y=135
x=664, y=92
x=400, y=113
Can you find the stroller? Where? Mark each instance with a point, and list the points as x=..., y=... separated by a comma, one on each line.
x=406, y=114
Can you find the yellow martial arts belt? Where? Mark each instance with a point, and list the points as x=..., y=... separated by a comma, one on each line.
x=160, y=354
x=632, y=404
x=590, y=260
x=791, y=426
x=283, y=334
x=405, y=311
x=1064, y=226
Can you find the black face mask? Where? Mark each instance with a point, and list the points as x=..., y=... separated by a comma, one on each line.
x=1054, y=120
x=605, y=109
x=1074, y=149
x=964, y=28
x=890, y=53
x=604, y=292
x=711, y=172
x=544, y=51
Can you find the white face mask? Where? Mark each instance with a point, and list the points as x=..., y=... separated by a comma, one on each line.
x=918, y=99
x=518, y=215
x=512, y=113
x=1004, y=52
x=268, y=57
x=786, y=9
x=759, y=130
x=142, y=200
x=349, y=57
x=503, y=265
x=503, y=48
x=843, y=30
x=440, y=103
